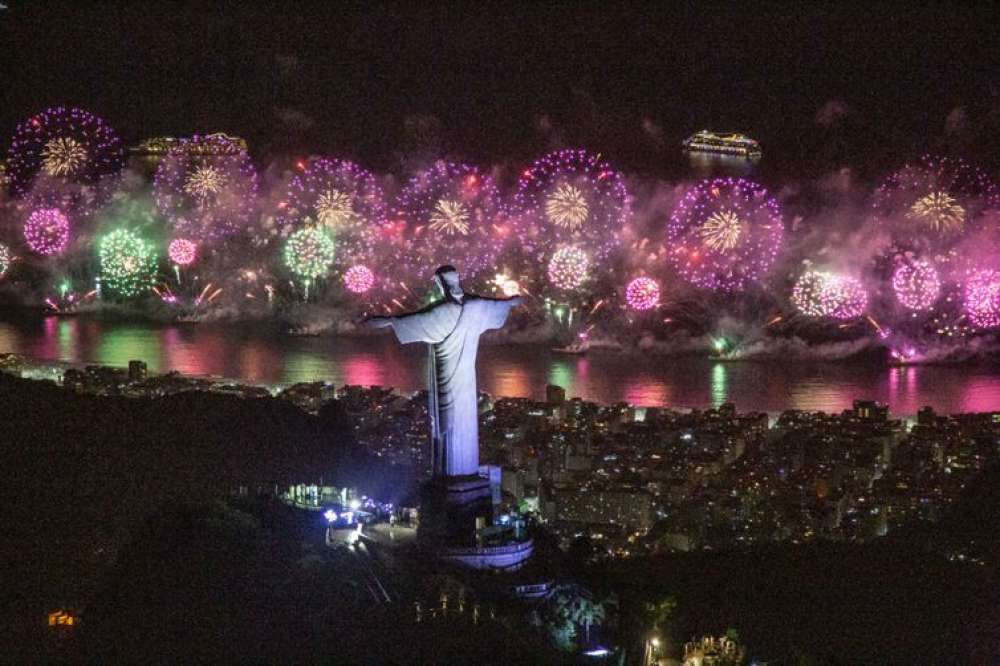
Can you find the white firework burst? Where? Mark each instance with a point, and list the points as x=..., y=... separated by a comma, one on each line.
x=939, y=211
x=334, y=209
x=450, y=217
x=722, y=231
x=204, y=182
x=567, y=207
x=63, y=156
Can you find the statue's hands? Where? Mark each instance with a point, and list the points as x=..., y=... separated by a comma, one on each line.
x=378, y=322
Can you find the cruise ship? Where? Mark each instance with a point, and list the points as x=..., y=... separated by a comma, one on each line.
x=219, y=144
x=728, y=143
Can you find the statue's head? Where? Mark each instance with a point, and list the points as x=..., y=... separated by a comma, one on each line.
x=446, y=277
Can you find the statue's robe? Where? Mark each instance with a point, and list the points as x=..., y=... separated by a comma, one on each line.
x=452, y=330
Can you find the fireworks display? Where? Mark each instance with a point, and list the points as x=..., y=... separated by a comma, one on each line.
x=182, y=251
x=205, y=182
x=823, y=294
x=63, y=156
x=852, y=298
x=206, y=187
x=359, y=279
x=5, y=259
x=66, y=144
x=128, y=264
x=916, y=285
x=571, y=197
x=568, y=268
x=46, y=231
x=450, y=217
x=565, y=236
x=507, y=285
x=642, y=293
x=982, y=298
x=938, y=211
x=567, y=207
x=812, y=295
x=309, y=253
x=725, y=234
x=446, y=214
x=342, y=197
x=936, y=197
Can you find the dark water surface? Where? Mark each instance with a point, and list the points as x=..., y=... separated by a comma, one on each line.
x=262, y=354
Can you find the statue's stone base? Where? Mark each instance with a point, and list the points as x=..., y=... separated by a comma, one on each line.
x=452, y=509
x=449, y=507
x=509, y=557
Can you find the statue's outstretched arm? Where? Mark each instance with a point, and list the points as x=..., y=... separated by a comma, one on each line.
x=410, y=327
x=511, y=302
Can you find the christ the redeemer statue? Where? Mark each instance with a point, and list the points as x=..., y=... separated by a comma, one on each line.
x=452, y=326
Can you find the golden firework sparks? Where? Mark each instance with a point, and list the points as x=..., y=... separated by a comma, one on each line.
x=204, y=182
x=334, y=210
x=63, y=156
x=939, y=211
x=722, y=231
x=451, y=217
x=567, y=207
x=506, y=284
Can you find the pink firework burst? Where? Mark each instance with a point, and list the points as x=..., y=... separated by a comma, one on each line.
x=916, y=284
x=642, y=293
x=182, y=251
x=852, y=298
x=46, y=231
x=359, y=279
x=982, y=298
x=824, y=294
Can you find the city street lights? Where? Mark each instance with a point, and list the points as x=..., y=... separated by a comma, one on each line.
x=331, y=518
x=652, y=651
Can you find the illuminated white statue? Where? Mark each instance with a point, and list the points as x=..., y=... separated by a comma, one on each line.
x=452, y=326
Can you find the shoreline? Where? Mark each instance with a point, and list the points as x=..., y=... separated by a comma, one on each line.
x=767, y=349
x=32, y=369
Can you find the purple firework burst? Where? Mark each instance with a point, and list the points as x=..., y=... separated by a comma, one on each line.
x=935, y=198
x=64, y=156
x=206, y=187
x=449, y=213
x=642, y=293
x=341, y=196
x=725, y=234
x=571, y=197
x=46, y=231
x=916, y=284
x=982, y=298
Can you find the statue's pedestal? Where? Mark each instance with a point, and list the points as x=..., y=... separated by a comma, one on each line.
x=453, y=510
x=449, y=508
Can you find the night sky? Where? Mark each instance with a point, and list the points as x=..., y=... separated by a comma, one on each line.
x=491, y=82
